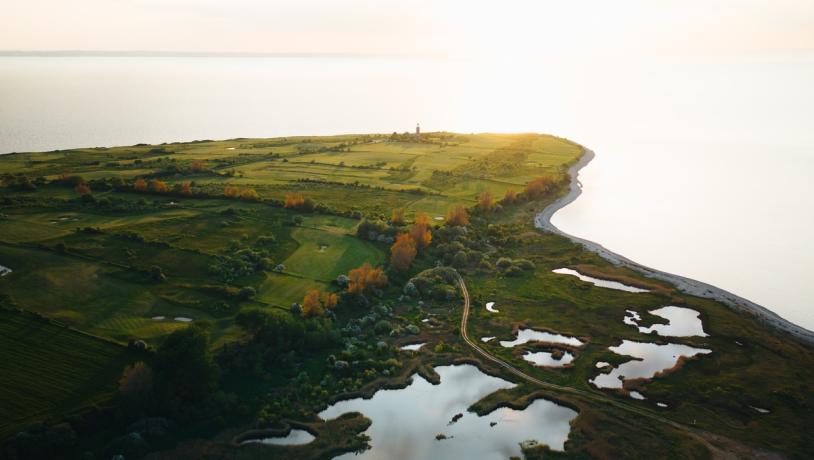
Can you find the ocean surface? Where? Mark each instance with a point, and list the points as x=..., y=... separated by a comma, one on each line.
x=704, y=165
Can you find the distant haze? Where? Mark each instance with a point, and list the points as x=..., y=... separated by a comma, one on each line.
x=525, y=29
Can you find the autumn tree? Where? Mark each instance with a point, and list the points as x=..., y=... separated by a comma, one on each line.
x=315, y=303
x=397, y=218
x=420, y=232
x=486, y=200
x=538, y=186
x=197, y=166
x=366, y=277
x=186, y=189
x=249, y=194
x=403, y=252
x=82, y=189
x=329, y=300
x=136, y=379
x=159, y=186
x=311, y=305
x=294, y=200
x=231, y=192
x=458, y=216
x=140, y=185
x=510, y=196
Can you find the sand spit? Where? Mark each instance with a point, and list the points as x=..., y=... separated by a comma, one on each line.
x=687, y=285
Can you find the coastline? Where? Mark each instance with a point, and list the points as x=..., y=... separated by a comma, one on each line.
x=690, y=286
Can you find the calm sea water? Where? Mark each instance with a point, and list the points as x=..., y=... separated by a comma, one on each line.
x=703, y=165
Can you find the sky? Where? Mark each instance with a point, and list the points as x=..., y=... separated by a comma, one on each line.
x=507, y=28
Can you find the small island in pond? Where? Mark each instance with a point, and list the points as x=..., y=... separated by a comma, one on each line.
x=253, y=298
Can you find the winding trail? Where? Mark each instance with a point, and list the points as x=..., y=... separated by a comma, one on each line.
x=732, y=449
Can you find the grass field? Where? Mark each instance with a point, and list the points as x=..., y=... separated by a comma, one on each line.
x=48, y=370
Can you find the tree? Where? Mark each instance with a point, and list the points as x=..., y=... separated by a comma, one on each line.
x=184, y=369
x=486, y=201
x=136, y=380
x=249, y=194
x=329, y=300
x=538, y=186
x=403, y=252
x=420, y=233
x=159, y=186
x=510, y=196
x=397, y=218
x=458, y=216
x=231, y=192
x=311, y=305
x=140, y=185
x=186, y=189
x=294, y=200
x=366, y=277
x=197, y=166
x=82, y=189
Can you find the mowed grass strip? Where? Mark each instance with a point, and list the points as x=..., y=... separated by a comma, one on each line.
x=47, y=370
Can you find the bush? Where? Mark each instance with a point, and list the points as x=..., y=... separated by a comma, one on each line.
x=524, y=264
x=503, y=263
x=382, y=327
x=514, y=271
x=410, y=289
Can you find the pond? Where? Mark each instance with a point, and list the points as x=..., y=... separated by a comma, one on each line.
x=183, y=319
x=681, y=322
x=599, y=282
x=651, y=359
x=530, y=335
x=413, y=346
x=547, y=359
x=294, y=438
x=4, y=270
x=490, y=306
x=406, y=421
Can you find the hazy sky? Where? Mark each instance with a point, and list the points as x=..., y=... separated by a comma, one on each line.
x=468, y=27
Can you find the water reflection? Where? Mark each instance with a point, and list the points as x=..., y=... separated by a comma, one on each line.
x=294, y=438
x=652, y=359
x=599, y=282
x=530, y=335
x=406, y=421
x=681, y=322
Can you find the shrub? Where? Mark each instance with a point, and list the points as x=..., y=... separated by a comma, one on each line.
x=514, y=271
x=503, y=263
x=382, y=327
x=524, y=264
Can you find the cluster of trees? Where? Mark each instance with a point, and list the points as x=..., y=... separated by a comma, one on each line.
x=242, y=193
x=437, y=283
x=538, y=187
x=406, y=247
x=240, y=263
x=297, y=200
x=365, y=279
x=316, y=303
x=376, y=230
x=276, y=339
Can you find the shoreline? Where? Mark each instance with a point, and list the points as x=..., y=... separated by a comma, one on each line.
x=690, y=286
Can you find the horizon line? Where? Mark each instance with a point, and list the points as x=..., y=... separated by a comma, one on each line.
x=154, y=53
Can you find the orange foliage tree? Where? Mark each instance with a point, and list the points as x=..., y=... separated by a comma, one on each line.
x=366, y=277
x=329, y=300
x=197, y=166
x=231, y=192
x=82, y=189
x=140, y=185
x=457, y=216
x=397, y=217
x=311, y=305
x=510, y=196
x=538, y=186
x=159, y=186
x=403, y=252
x=486, y=200
x=186, y=189
x=420, y=233
x=294, y=200
x=249, y=194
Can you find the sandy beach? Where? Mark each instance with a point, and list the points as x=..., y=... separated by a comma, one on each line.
x=687, y=285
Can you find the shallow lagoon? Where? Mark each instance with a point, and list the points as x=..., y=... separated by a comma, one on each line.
x=681, y=322
x=599, y=282
x=530, y=335
x=651, y=359
x=406, y=421
x=547, y=359
x=294, y=438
